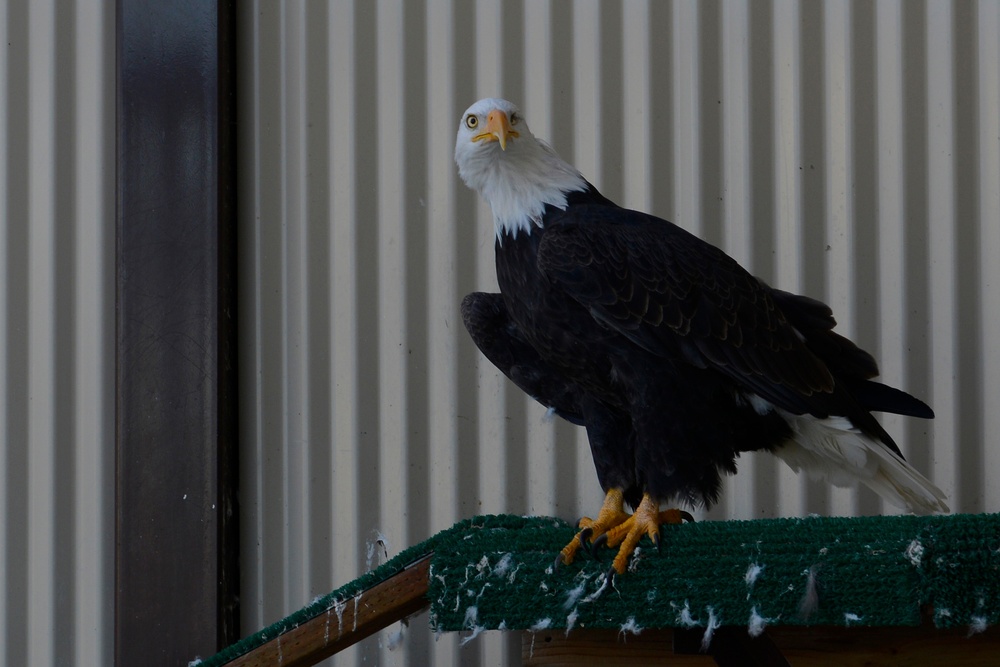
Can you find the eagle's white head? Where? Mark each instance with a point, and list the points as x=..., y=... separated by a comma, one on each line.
x=517, y=174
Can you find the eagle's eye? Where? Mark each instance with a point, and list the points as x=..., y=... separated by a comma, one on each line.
x=471, y=121
x=514, y=119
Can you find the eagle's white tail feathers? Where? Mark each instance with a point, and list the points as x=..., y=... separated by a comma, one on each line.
x=836, y=451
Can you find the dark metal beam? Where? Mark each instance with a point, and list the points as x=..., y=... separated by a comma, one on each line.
x=176, y=569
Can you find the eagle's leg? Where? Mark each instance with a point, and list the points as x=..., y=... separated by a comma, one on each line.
x=611, y=514
x=645, y=521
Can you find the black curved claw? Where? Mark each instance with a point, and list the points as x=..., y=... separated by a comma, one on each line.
x=601, y=540
x=559, y=563
x=657, y=542
x=583, y=536
x=686, y=516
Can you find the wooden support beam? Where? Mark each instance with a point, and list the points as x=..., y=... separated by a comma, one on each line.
x=320, y=637
x=731, y=646
x=608, y=648
x=801, y=646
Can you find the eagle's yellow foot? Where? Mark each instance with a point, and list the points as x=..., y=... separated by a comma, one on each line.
x=612, y=514
x=645, y=521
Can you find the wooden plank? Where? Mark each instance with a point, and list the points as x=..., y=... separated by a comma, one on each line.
x=608, y=648
x=732, y=646
x=320, y=637
x=923, y=646
x=803, y=647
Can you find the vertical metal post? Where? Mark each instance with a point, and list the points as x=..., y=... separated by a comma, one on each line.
x=176, y=569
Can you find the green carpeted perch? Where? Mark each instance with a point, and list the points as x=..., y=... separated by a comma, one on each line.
x=496, y=572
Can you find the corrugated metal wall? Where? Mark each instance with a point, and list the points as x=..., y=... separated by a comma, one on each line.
x=846, y=150
x=57, y=290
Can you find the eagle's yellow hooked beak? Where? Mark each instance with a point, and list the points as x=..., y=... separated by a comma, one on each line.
x=497, y=129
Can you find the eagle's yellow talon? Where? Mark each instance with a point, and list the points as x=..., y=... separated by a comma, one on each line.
x=612, y=514
x=613, y=527
x=646, y=521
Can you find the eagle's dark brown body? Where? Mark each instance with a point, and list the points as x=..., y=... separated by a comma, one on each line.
x=665, y=349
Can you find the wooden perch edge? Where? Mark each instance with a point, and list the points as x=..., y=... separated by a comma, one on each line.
x=925, y=588
x=368, y=612
x=405, y=593
x=778, y=646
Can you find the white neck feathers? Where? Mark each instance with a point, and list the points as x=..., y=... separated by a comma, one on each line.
x=520, y=182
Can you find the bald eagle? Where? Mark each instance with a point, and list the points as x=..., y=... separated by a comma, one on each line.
x=672, y=356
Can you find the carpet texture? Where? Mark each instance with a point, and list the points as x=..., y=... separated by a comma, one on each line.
x=496, y=572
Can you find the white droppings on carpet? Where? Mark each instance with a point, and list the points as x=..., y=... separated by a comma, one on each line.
x=541, y=624
x=605, y=579
x=571, y=620
x=713, y=623
x=573, y=596
x=611, y=578
x=915, y=553
x=850, y=617
x=684, y=616
x=753, y=573
x=630, y=626
x=757, y=623
x=471, y=623
x=633, y=563
x=810, y=599
x=978, y=625
x=503, y=565
x=357, y=599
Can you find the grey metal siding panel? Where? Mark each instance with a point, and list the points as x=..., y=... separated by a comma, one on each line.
x=56, y=333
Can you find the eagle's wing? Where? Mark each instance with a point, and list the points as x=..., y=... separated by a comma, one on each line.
x=672, y=293
x=498, y=338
